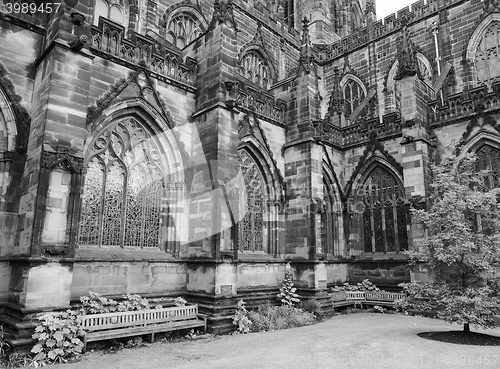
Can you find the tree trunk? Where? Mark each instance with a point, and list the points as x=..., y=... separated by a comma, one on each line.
x=466, y=328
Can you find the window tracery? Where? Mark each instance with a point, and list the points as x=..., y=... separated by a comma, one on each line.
x=353, y=95
x=252, y=226
x=385, y=214
x=254, y=68
x=488, y=159
x=182, y=29
x=487, y=56
x=112, y=9
x=329, y=225
x=123, y=189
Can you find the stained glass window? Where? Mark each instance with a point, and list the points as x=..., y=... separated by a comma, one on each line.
x=488, y=159
x=252, y=226
x=112, y=9
x=329, y=225
x=487, y=56
x=289, y=12
x=182, y=29
x=253, y=67
x=121, y=201
x=353, y=96
x=385, y=214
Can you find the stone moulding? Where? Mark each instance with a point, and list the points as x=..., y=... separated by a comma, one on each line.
x=255, y=100
x=462, y=105
x=359, y=133
x=55, y=250
x=107, y=41
x=391, y=23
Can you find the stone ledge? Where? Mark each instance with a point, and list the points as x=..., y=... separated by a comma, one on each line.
x=121, y=254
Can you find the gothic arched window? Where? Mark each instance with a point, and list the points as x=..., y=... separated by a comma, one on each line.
x=252, y=230
x=289, y=13
x=385, y=214
x=114, y=10
x=487, y=55
x=254, y=68
x=329, y=224
x=121, y=201
x=488, y=159
x=182, y=29
x=354, y=94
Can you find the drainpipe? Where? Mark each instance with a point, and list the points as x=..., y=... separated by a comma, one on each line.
x=435, y=32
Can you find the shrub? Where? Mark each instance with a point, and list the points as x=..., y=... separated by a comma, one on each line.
x=96, y=304
x=365, y=285
x=240, y=318
x=287, y=294
x=58, y=338
x=4, y=345
x=268, y=318
x=133, y=303
x=179, y=301
x=311, y=306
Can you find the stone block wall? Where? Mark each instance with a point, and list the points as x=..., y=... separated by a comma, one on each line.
x=5, y=272
x=118, y=278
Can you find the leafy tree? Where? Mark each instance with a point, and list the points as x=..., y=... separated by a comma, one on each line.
x=462, y=246
x=287, y=294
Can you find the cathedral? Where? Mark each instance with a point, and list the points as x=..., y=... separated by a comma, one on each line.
x=193, y=148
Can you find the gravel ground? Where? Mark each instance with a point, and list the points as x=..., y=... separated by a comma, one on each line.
x=382, y=341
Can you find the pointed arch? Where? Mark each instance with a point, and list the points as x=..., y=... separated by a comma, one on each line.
x=183, y=23
x=486, y=146
x=259, y=210
x=134, y=185
x=114, y=10
x=483, y=51
x=8, y=127
x=331, y=225
x=353, y=92
x=256, y=65
x=380, y=213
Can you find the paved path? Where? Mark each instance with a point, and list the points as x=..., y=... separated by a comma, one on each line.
x=382, y=341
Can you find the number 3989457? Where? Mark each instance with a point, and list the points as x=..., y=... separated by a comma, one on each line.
x=31, y=8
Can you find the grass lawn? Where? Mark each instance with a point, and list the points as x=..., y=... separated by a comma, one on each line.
x=365, y=340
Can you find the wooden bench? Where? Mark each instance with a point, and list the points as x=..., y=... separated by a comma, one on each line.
x=391, y=299
x=106, y=326
x=361, y=298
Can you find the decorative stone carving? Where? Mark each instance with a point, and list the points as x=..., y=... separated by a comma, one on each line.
x=223, y=13
x=77, y=18
x=491, y=5
x=77, y=43
x=62, y=159
x=55, y=250
x=6, y=156
x=408, y=65
x=306, y=60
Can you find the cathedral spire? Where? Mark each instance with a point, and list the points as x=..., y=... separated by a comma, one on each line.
x=408, y=65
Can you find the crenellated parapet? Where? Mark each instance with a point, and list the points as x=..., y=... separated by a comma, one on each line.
x=164, y=64
x=264, y=105
x=462, y=105
x=391, y=23
x=359, y=133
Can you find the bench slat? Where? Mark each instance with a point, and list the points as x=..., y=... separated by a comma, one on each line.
x=135, y=323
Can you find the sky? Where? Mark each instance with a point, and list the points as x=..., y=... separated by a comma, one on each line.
x=387, y=7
